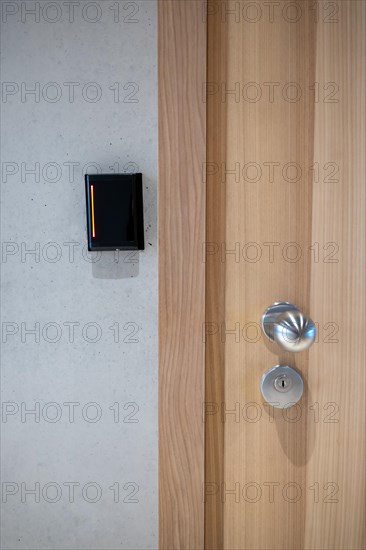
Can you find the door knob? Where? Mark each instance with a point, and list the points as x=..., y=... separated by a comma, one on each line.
x=284, y=324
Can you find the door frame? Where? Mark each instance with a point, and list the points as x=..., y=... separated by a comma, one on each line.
x=182, y=53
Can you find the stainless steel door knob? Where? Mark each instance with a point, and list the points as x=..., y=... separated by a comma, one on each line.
x=282, y=386
x=284, y=324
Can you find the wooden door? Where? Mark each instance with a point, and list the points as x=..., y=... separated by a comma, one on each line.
x=261, y=198
x=285, y=221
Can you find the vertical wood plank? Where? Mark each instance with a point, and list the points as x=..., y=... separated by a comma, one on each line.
x=269, y=451
x=215, y=279
x=181, y=211
x=335, y=517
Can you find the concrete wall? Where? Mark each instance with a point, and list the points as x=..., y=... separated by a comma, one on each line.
x=79, y=330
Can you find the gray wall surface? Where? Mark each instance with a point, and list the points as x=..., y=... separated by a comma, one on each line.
x=79, y=329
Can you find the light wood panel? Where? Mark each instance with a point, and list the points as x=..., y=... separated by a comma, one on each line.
x=266, y=131
x=314, y=453
x=337, y=370
x=182, y=152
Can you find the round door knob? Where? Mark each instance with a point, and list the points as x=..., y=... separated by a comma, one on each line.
x=284, y=324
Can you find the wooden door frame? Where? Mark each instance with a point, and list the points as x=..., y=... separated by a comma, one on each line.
x=182, y=50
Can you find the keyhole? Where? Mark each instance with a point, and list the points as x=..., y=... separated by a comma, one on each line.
x=282, y=383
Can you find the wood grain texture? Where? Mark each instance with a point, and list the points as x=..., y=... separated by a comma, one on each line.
x=182, y=153
x=215, y=281
x=315, y=453
x=338, y=295
x=270, y=210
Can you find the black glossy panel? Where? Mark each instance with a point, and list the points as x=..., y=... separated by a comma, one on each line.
x=114, y=211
